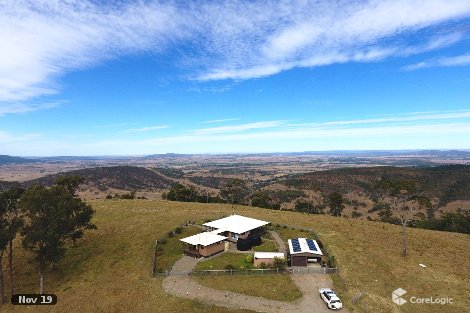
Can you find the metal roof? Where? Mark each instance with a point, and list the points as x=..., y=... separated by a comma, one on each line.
x=269, y=255
x=236, y=224
x=303, y=246
x=203, y=239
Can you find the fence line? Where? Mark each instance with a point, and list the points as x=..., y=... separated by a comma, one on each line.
x=307, y=271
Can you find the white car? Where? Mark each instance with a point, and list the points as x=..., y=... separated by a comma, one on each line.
x=330, y=298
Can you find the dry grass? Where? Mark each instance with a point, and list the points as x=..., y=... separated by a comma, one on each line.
x=109, y=271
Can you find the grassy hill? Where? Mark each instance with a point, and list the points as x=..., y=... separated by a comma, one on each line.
x=450, y=182
x=116, y=177
x=109, y=271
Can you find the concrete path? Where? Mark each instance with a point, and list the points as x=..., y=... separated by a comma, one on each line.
x=185, y=287
x=280, y=243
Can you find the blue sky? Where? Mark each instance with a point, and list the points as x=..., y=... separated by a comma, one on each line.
x=144, y=77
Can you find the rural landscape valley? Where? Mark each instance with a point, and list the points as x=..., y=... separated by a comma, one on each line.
x=234, y=156
x=132, y=199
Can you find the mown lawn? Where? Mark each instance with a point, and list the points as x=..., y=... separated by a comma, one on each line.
x=266, y=246
x=270, y=286
x=220, y=262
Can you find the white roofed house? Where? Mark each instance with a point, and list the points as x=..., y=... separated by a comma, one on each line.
x=204, y=244
x=236, y=226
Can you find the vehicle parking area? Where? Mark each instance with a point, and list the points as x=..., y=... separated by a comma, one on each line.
x=309, y=284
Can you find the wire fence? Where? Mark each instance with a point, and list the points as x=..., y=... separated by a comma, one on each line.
x=248, y=272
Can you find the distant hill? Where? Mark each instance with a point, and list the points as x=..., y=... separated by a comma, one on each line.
x=117, y=177
x=7, y=159
x=448, y=183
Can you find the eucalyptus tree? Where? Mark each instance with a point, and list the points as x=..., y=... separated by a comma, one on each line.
x=54, y=217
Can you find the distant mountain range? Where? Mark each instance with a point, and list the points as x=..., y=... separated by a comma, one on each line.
x=6, y=159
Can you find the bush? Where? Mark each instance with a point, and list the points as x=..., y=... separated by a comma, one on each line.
x=162, y=241
x=170, y=234
x=178, y=230
x=331, y=263
x=356, y=214
x=263, y=265
x=229, y=267
x=279, y=263
x=249, y=258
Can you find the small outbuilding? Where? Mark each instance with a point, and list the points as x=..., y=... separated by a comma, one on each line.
x=204, y=244
x=266, y=257
x=303, y=251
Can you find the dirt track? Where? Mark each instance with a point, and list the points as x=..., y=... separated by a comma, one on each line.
x=185, y=287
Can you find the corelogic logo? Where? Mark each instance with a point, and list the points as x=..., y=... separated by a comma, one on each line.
x=396, y=296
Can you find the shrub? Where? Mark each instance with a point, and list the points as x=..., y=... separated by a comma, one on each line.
x=331, y=261
x=249, y=258
x=279, y=263
x=356, y=214
x=170, y=234
x=229, y=267
x=263, y=265
x=178, y=230
x=162, y=241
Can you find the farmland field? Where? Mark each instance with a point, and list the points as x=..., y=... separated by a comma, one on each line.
x=110, y=267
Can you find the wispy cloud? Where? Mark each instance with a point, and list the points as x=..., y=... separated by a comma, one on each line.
x=146, y=129
x=460, y=60
x=22, y=107
x=221, y=120
x=416, y=130
x=237, y=128
x=43, y=40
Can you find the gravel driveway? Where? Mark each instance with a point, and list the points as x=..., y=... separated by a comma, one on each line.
x=185, y=287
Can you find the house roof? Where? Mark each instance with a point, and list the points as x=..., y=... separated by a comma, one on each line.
x=236, y=224
x=269, y=255
x=203, y=239
x=303, y=245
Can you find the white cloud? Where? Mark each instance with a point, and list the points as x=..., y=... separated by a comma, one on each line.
x=237, y=128
x=221, y=120
x=146, y=129
x=22, y=107
x=437, y=130
x=460, y=60
x=42, y=40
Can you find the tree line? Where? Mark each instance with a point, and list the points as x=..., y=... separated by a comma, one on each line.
x=396, y=201
x=46, y=220
x=235, y=191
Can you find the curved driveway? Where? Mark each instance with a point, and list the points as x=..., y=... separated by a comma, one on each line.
x=185, y=287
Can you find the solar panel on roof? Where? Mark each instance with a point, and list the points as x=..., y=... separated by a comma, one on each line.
x=296, y=245
x=311, y=245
